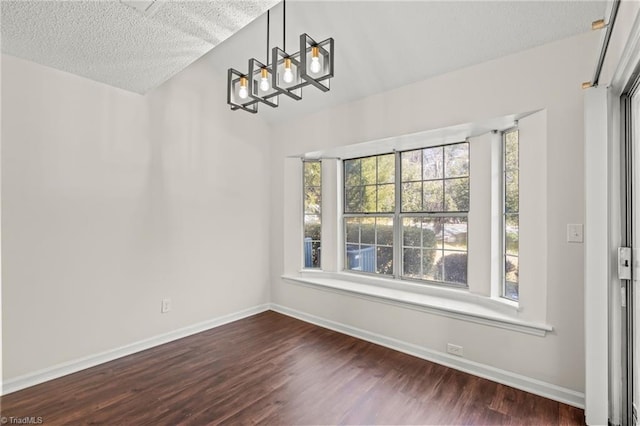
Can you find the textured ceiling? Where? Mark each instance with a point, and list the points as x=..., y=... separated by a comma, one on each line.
x=380, y=45
x=134, y=45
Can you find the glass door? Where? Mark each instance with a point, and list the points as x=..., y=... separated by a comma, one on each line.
x=634, y=117
x=630, y=114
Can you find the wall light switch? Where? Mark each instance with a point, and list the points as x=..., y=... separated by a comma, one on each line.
x=574, y=233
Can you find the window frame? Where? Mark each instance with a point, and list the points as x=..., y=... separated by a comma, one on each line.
x=504, y=213
x=345, y=251
x=364, y=214
x=305, y=214
x=398, y=216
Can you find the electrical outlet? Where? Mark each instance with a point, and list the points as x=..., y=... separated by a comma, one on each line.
x=454, y=349
x=166, y=305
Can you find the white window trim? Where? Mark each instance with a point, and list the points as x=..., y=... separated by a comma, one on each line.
x=482, y=301
x=446, y=301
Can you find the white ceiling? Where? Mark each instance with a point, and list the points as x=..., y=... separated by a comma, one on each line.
x=133, y=45
x=380, y=45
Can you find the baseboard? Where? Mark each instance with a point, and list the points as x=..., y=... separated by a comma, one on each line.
x=517, y=381
x=528, y=384
x=74, y=366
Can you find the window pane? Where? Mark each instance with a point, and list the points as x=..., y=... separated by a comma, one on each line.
x=352, y=226
x=433, y=196
x=312, y=200
x=352, y=172
x=456, y=159
x=385, y=260
x=457, y=195
x=369, y=170
x=431, y=266
x=352, y=261
x=511, y=192
x=412, y=197
x=511, y=269
x=411, y=165
x=386, y=168
x=353, y=199
x=312, y=173
x=455, y=267
x=411, y=262
x=312, y=227
x=433, y=167
x=455, y=233
x=511, y=208
x=384, y=226
x=315, y=254
x=369, y=199
x=374, y=253
x=511, y=150
x=386, y=198
x=365, y=259
x=368, y=230
x=432, y=232
x=411, y=232
x=511, y=234
x=511, y=290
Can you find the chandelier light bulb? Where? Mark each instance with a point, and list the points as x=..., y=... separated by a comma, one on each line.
x=264, y=80
x=243, y=92
x=315, y=66
x=282, y=73
x=288, y=74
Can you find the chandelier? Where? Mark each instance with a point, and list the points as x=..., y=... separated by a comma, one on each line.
x=286, y=75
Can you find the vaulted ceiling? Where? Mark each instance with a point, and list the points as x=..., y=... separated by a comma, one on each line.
x=380, y=45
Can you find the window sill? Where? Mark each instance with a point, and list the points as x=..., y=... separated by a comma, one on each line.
x=449, y=302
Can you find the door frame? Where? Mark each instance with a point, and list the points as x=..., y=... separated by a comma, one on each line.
x=628, y=239
x=603, y=235
x=624, y=85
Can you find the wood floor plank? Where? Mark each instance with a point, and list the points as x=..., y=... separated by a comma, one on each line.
x=273, y=369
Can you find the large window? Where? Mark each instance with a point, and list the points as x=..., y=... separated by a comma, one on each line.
x=428, y=196
x=435, y=203
x=312, y=213
x=511, y=221
x=369, y=207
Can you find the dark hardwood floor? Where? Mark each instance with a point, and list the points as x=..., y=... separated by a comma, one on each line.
x=273, y=369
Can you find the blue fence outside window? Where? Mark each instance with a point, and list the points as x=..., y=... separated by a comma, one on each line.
x=362, y=259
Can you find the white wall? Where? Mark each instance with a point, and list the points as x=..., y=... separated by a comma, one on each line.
x=112, y=201
x=597, y=272
x=547, y=77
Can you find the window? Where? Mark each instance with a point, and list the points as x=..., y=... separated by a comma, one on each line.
x=435, y=203
x=369, y=184
x=312, y=212
x=369, y=207
x=428, y=195
x=511, y=192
